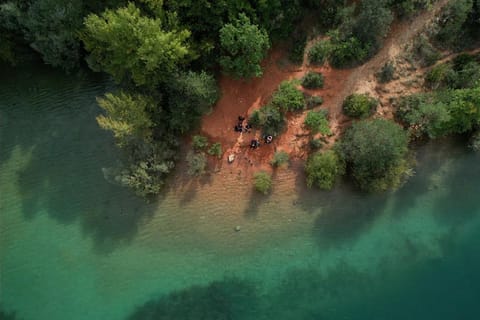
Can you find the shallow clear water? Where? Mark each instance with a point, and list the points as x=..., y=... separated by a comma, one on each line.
x=75, y=247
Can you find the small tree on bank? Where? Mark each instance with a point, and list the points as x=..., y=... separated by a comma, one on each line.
x=262, y=182
x=323, y=169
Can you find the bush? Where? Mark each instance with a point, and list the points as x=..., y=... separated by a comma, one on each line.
x=199, y=142
x=316, y=121
x=312, y=80
x=263, y=182
x=288, y=97
x=425, y=52
x=279, y=158
x=313, y=101
x=348, y=52
x=359, y=105
x=375, y=153
x=197, y=162
x=215, y=150
x=319, y=52
x=269, y=118
x=386, y=74
x=323, y=169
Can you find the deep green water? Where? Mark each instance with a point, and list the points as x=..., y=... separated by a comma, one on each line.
x=75, y=247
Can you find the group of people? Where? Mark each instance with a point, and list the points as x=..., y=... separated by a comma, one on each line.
x=254, y=143
x=240, y=127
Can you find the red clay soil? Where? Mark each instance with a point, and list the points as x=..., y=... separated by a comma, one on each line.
x=242, y=97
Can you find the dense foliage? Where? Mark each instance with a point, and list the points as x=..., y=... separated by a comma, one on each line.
x=244, y=46
x=323, y=169
x=441, y=113
x=359, y=105
x=131, y=46
x=462, y=72
x=375, y=153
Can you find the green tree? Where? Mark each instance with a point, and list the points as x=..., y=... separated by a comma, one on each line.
x=127, y=45
x=359, y=105
x=323, y=169
x=191, y=94
x=452, y=20
x=269, y=118
x=244, y=46
x=127, y=116
x=375, y=151
x=262, y=181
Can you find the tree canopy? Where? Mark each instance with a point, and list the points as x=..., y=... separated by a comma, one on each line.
x=128, y=45
x=375, y=152
x=244, y=46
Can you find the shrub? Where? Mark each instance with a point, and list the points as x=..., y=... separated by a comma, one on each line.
x=197, y=162
x=316, y=121
x=425, y=52
x=215, y=150
x=359, y=105
x=288, y=97
x=313, y=101
x=199, y=142
x=269, y=118
x=323, y=169
x=312, y=80
x=255, y=119
x=263, y=182
x=375, y=153
x=319, y=52
x=436, y=77
x=279, y=158
x=386, y=73
x=348, y=52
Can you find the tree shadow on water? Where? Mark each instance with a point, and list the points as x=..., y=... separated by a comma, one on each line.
x=347, y=216
x=62, y=177
x=230, y=298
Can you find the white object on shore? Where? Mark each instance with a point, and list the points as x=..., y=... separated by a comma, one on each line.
x=231, y=158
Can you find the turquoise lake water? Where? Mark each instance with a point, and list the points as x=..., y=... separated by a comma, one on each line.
x=74, y=247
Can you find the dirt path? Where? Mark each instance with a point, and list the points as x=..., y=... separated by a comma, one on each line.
x=363, y=77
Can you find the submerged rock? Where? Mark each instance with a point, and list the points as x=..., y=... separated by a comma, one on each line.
x=237, y=228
